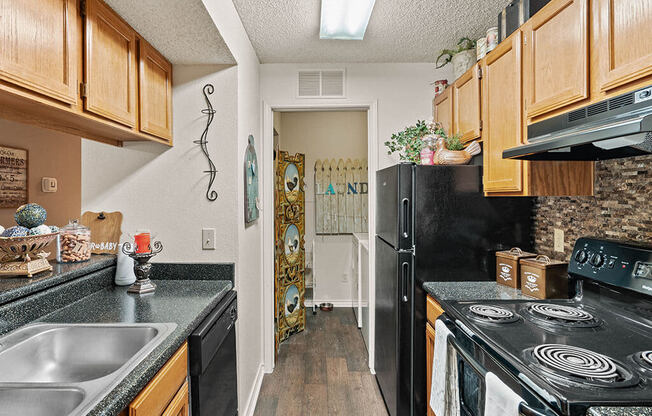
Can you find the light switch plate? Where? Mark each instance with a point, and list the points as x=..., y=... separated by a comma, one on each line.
x=208, y=238
x=49, y=184
x=559, y=240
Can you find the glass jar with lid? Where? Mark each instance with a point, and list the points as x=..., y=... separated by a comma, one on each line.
x=75, y=243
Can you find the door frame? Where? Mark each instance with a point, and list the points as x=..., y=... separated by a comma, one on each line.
x=371, y=107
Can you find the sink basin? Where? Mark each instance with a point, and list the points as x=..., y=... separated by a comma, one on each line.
x=66, y=369
x=72, y=353
x=39, y=401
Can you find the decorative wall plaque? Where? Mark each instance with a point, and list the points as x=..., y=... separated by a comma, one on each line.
x=13, y=177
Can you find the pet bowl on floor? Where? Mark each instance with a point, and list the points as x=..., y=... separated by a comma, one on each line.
x=326, y=306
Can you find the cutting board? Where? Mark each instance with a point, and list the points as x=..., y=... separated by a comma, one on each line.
x=105, y=230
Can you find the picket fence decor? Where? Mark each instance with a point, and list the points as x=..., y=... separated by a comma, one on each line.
x=341, y=196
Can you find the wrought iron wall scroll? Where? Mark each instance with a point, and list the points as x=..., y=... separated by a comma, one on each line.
x=208, y=89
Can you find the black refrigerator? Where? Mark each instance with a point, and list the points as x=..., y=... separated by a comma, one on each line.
x=433, y=223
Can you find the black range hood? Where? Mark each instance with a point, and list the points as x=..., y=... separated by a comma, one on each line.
x=614, y=128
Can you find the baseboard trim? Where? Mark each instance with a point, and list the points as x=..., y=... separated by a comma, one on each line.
x=255, y=391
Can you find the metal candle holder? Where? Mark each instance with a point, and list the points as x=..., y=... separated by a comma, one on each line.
x=142, y=267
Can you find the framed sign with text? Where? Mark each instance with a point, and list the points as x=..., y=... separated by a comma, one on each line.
x=13, y=177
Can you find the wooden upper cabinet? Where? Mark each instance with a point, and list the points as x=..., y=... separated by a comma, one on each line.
x=38, y=48
x=444, y=109
x=556, y=53
x=502, y=115
x=624, y=32
x=110, y=65
x=155, y=92
x=466, y=105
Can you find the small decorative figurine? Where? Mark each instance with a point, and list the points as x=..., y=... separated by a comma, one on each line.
x=444, y=156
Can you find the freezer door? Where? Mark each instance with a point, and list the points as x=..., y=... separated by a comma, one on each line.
x=394, y=207
x=394, y=323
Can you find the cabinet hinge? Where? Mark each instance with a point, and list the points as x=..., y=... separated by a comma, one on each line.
x=480, y=125
x=524, y=39
x=83, y=89
x=82, y=7
x=479, y=73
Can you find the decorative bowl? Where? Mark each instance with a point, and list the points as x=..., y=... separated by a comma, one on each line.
x=25, y=248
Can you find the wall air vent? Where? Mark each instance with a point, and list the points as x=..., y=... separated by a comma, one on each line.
x=321, y=83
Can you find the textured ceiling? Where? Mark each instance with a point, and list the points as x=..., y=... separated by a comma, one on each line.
x=182, y=30
x=399, y=30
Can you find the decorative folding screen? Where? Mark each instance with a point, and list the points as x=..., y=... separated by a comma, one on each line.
x=341, y=192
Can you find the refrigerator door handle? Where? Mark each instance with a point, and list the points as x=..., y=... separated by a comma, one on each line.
x=405, y=217
x=405, y=278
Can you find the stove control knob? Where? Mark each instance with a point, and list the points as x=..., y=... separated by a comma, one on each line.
x=597, y=260
x=581, y=256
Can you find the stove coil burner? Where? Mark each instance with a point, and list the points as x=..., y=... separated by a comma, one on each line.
x=561, y=316
x=491, y=314
x=644, y=360
x=582, y=366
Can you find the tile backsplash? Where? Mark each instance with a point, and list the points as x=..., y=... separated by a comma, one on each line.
x=621, y=208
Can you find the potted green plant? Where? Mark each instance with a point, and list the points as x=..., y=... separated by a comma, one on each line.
x=462, y=56
x=408, y=142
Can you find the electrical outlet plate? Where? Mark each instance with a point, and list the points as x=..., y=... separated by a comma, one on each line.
x=559, y=240
x=49, y=184
x=208, y=238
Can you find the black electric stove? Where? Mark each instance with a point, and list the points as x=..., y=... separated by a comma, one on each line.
x=564, y=356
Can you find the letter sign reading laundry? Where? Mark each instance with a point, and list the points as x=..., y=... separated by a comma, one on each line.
x=341, y=200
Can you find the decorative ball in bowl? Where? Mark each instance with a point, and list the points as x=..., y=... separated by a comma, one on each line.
x=24, y=247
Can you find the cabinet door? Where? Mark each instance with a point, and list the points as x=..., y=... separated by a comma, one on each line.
x=444, y=110
x=155, y=92
x=556, y=56
x=430, y=353
x=110, y=65
x=37, y=46
x=502, y=116
x=180, y=404
x=466, y=105
x=624, y=32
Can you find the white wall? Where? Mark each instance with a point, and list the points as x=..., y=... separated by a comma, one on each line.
x=249, y=275
x=402, y=91
x=163, y=189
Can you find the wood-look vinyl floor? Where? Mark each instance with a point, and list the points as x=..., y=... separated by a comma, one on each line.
x=322, y=371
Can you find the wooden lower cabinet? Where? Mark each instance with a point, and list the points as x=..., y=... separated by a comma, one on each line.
x=433, y=310
x=167, y=393
x=430, y=352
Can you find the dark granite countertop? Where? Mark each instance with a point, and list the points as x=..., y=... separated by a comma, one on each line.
x=12, y=288
x=461, y=291
x=620, y=411
x=184, y=302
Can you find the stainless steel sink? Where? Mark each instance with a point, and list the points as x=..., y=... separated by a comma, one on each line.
x=35, y=401
x=65, y=369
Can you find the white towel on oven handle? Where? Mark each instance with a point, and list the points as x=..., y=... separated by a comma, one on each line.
x=500, y=400
x=444, y=399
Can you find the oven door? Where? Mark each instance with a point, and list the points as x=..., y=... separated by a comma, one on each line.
x=473, y=364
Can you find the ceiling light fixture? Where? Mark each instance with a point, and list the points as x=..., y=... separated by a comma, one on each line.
x=345, y=19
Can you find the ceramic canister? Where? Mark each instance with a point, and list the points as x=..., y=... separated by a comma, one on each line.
x=440, y=86
x=492, y=38
x=481, y=48
x=124, y=272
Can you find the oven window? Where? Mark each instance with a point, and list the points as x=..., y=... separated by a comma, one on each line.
x=470, y=385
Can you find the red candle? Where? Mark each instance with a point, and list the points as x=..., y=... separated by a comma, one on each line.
x=142, y=241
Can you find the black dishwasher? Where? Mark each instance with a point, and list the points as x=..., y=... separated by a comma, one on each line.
x=213, y=369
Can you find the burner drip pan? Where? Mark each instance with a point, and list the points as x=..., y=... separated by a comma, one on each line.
x=490, y=314
x=560, y=316
x=571, y=365
x=644, y=360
